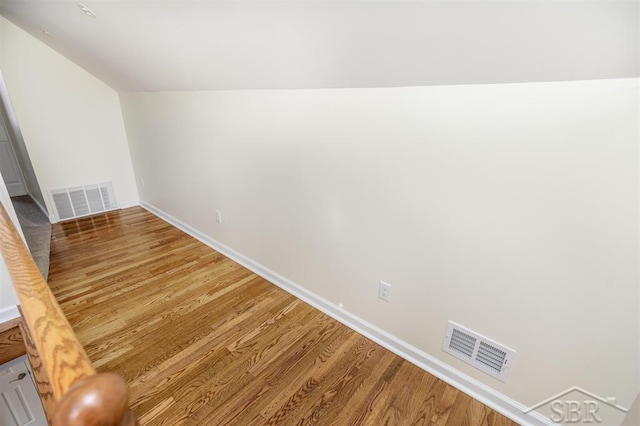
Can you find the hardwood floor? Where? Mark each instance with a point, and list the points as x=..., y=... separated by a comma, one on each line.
x=202, y=340
x=11, y=343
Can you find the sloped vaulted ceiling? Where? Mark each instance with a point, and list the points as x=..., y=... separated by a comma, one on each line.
x=205, y=45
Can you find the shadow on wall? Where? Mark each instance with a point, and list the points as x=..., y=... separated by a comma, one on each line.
x=18, y=148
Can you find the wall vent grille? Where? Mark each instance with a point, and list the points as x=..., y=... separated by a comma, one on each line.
x=85, y=200
x=476, y=350
x=491, y=357
x=463, y=343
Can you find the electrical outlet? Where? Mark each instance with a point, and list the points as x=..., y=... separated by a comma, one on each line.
x=384, y=291
x=218, y=217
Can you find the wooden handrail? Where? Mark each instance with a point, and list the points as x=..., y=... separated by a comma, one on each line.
x=80, y=396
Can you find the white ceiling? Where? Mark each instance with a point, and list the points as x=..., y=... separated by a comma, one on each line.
x=201, y=45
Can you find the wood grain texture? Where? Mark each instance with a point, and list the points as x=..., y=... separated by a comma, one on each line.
x=201, y=340
x=85, y=403
x=11, y=344
x=39, y=375
x=58, y=360
x=63, y=358
x=10, y=324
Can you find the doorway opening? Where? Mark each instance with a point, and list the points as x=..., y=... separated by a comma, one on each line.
x=22, y=184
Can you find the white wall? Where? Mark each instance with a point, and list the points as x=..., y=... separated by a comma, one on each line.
x=511, y=209
x=17, y=142
x=8, y=297
x=71, y=122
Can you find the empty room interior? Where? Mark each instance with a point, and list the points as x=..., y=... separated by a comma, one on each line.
x=330, y=212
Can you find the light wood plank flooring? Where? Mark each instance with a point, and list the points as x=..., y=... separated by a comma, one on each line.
x=11, y=343
x=202, y=340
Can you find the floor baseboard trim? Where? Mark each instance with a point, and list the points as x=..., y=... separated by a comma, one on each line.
x=481, y=392
x=9, y=313
x=8, y=325
x=127, y=204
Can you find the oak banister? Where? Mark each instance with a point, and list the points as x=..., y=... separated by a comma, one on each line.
x=39, y=375
x=75, y=387
x=100, y=399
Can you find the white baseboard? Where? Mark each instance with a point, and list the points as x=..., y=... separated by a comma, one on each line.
x=127, y=204
x=481, y=392
x=9, y=313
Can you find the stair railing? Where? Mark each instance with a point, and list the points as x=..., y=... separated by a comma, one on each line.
x=72, y=392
